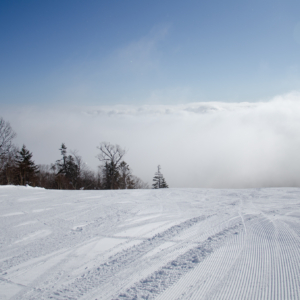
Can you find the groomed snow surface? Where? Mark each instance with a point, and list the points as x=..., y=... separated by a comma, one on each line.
x=150, y=244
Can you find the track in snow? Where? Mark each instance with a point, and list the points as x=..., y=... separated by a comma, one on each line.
x=150, y=244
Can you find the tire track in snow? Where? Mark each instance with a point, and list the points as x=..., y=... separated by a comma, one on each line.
x=243, y=271
x=269, y=267
x=197, y=283
x=289, y=262
x=206, y=231
x=55, y=242
x=166, y=276
x=285, y=267
x=118, y=262
x=221, y=287
x=215, y=271
x=234, y=251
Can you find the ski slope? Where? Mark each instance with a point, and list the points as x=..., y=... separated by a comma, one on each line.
x=150, y=244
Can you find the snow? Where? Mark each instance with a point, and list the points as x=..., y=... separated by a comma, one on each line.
x=150, y=244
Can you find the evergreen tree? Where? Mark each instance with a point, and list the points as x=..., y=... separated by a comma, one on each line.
x=111, y=176
x=25, y=167
x=67, y=168
x=61, y=163
x=159, y=180
x=163, y=184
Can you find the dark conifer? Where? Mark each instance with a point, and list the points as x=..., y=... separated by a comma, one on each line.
x=67, y=169
x=126, y=180
x=25, y=167
x=111, y=176
x=163, y=184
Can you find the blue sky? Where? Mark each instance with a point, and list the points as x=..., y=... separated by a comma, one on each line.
x=144, y=52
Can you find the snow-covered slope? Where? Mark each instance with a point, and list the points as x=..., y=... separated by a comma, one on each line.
x=150, y=244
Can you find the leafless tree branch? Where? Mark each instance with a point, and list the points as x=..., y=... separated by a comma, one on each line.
x=110, y=153
x=6, y=137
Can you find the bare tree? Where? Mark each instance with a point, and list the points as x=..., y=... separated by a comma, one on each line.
x=139, y=183
x=115, y=172
x=6, y=137
x=111, y=156
x=110, y=153
x=86, y=177
x=46, y=177
x=8, y=166
x=88, y=180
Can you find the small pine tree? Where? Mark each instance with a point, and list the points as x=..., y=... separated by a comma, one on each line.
x=25, y=167
x=68, y=170
x=159, y=180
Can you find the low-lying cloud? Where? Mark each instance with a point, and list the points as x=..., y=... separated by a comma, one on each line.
x=219, y=145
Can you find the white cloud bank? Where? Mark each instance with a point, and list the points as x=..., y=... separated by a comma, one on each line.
x=198, y=145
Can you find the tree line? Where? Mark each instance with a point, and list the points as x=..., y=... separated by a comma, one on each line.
x=69, y=172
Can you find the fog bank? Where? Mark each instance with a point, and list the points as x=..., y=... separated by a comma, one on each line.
x=215, y=144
